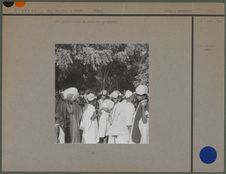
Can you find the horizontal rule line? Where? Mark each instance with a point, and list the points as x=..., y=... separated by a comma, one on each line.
x=13, y=14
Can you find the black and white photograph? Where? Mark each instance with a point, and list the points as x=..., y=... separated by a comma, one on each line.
x=113, y=87
x=102, y=93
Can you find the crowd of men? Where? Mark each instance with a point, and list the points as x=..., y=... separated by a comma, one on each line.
x=114, y=118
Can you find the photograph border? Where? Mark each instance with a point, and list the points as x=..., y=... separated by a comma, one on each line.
x=161, y=1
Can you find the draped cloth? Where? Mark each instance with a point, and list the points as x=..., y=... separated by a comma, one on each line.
x=61, y=113
x=75, y=118
x=68, y=116
x=140, y=130
x=60, y=139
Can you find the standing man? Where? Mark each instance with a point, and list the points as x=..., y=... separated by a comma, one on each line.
x=122, y=121
x=72, y=115
x=105, y=107
x=89, y=123
x=120, y=95
x=115, y=111
x=140, y=129
x=103, y=96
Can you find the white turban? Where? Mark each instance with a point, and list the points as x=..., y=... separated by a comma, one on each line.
x=91, y=97
x=70, y=94
x=114, y=94
x=128, y=94
x=142, y=89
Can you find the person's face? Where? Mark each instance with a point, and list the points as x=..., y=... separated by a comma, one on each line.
x=140, y=97
x=94, y=102
x=129, y=99
x=103, y=97
x=70, y=98
x=62, y=95
x=115, y=100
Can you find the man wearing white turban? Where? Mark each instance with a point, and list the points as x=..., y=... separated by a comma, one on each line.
x=89, y=124
x=105, y=107
x=140, y=129
x=114, y=96
x=122, y=121
x=70, y=112
x=70, y=94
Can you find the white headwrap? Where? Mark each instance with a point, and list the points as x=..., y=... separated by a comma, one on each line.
x=70, y=94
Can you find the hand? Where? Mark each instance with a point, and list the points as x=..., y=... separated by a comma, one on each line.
x=57, y=125
x=106, y=110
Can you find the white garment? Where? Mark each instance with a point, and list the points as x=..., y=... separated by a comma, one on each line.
x=127, y=113
x=113, y=113
x=122, y=119
x=122, y=139
x=61, y=134
x=104, y=124
x=61, y=137
x=143, y=127
x=144, y=130
x=89, y=127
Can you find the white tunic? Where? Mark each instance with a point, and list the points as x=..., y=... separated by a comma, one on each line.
x=144, y=129
x=61, y=136
x=121, y=121
x=89, y=127
x=104, y=117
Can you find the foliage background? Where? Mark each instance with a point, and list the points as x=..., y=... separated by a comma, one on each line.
x=101, y=66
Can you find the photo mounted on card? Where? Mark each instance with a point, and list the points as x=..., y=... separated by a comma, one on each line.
x=113, y=87
x=102, y=93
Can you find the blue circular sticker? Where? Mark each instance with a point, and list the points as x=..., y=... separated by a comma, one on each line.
x=208, y=155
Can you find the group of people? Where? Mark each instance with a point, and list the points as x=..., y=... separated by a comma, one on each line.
x=114, y=118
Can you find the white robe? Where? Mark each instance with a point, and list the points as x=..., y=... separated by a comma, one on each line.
x=89, y=127
x=122, y=121
x=144, y=129
x=104, y=123
x=114, y=113
x=61, y=136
